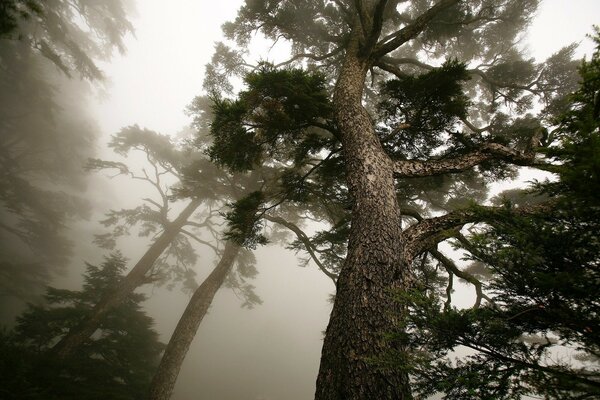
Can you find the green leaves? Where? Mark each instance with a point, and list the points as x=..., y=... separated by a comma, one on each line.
x=117, y=363
x=267, y=119
x=419, y=109
x=245, y=224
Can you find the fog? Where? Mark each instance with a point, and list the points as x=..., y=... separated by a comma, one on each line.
x=270, y=351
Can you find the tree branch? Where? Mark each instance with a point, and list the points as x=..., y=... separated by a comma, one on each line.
x=425, y=234
x=452, y=269
x=487, y=151
x=305, y=240
x=411, y=31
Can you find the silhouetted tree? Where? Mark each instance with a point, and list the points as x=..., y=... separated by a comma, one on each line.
x=46, y=132
x=539, y=333
x=116, y=363
x=171, y=254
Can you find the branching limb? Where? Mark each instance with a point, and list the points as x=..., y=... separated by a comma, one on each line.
x=201, y=241
x=305, y=241
x=374, y=27
x=487, y=151
x=425, y=234
x=410, y=31
x=453, y=269
x=311, y=56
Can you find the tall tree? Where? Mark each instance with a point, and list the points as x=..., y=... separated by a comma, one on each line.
x=538, y=335
x=171, y=252
x=117, y=363
x=46, y=132
x=418, y=97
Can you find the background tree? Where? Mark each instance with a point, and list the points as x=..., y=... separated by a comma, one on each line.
x=116, y=363
x=425, y=100
x=538, y=335
x=46, y=132
x=171, y=255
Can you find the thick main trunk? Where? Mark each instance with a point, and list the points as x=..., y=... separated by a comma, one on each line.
x=364, y=311
x=166, y=375
x=80, y=333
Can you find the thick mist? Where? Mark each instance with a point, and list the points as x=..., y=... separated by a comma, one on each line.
x=65, y=167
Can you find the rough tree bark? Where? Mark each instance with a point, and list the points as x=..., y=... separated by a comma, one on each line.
x=136, y=277
x=374, y=267
x=164, y=380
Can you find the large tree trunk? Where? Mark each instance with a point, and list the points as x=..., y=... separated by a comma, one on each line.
x=363, y=311
x=164, y=380
x=136, y=277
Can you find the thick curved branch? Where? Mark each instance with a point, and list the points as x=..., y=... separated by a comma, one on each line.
x=412, y=30
x=305, y=241
x=488, y=151
x=425, y=234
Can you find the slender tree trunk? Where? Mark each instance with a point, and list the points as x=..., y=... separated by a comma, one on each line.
x=164, y=380
x=363, y=311
x=136, y=277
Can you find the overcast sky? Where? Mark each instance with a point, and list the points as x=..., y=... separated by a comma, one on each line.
x=273, y=351
x=163, y=68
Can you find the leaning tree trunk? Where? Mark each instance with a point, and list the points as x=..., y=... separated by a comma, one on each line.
x=136, y=277
x=363, y=310
x=164, y=380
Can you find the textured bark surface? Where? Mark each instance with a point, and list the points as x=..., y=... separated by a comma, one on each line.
x=364, y=310
x=168, y=370
x=80, y=333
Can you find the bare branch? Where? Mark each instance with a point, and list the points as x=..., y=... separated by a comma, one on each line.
x=305, y=241
x=201, y=241
x=452, y=269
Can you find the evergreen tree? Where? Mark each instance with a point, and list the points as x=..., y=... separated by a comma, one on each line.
x=46, y=131
x=539, y=333
x=408, y=108
x=117, y=362
x=171, y=256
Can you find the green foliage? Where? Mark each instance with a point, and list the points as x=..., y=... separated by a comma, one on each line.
x=544, y=282
x=267, y=119
x=12, y=11
x=427, y=105
x=116, y=363
x=46, y=132
x=73, y=35
x=244, y=222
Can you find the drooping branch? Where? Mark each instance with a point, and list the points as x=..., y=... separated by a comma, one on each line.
x=410, y=31
x=305, y=241
x=453, y=269
x=487, y=151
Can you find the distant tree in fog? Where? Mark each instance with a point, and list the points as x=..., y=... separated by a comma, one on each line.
x=46, y=134
x=171, y=255
x=116, y=363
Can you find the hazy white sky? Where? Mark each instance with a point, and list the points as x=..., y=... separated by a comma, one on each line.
x=163, y=68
